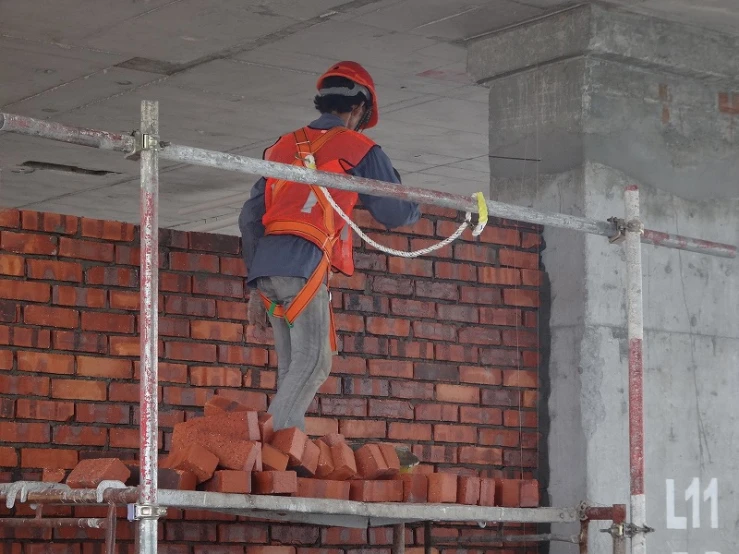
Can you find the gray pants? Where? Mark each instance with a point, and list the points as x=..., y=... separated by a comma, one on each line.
x=303, y=352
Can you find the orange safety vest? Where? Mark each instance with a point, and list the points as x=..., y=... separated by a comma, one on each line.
x=302, y=210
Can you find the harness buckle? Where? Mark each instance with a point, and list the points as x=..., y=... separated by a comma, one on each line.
x=271, y=309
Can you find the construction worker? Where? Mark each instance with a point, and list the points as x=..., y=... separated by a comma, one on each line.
x=293, y=239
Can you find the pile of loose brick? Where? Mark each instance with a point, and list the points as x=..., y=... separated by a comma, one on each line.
x=234, y=449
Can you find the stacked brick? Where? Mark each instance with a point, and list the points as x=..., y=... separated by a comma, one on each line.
x=439, y=354
x=234, y=450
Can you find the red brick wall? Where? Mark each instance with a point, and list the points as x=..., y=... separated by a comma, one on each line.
x=439, y=352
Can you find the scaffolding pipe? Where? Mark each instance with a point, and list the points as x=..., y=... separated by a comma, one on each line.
x=147, y=508
x=54, y=522
x=635, y=333
x=252, y=166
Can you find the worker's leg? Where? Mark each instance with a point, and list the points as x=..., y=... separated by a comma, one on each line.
x=280, y=329
x=310, y=353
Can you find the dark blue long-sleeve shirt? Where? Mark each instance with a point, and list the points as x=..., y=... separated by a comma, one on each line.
x=292, y=256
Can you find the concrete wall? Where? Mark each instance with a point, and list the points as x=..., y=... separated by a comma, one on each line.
x=604, y=99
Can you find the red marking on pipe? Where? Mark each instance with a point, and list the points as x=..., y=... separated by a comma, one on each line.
x=658, y=238
x=636, y=416
x=632, y=187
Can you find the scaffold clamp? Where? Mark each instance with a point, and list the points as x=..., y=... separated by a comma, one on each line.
x=138, y=512
x=142, y=142
x=620, y=235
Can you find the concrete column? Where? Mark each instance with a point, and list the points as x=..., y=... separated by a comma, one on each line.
x=582, y=103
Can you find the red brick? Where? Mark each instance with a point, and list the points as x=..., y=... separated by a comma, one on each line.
x=89, y=473
x=411, y=266
x=78, y=390
x=251, y=399
x=107, y=322
x=24, y=290
x=174, y=327
x=53, y=475
x=481, y=416
x=455, y=433
x=319, y=426
x=27, y=337
x=218, y=286
x=269, y=550
x=46, y=410
x=266, y=427
x=444, y=252
x=211, y=376
x=362, y=428
x=480, y=295
x=86, y=342
x=457, y=393
x=309, y=460
x=531, y=277
x=521, y=297
x=409, y=431
x=434, y=331
x=501, y=397
x=366, y=345
x=190, y=351
x=499, y=276
x=530, y=399
x=468, y=490
x=238, y=355
x=108, y=230
x=50, y=317
x=500, y=316
x=200, y=307
x=388, y=326
x=500, y=357
x=88, y=436
x=28, y=243
x=487, y=492
x=357, y=282
x=39, y=362
x=480, y=455
x=455, y=271
x=415, y=487
x=392, y=286
x=513, y=418
x=24, y=432
x=187, y=261
x=175, y=479
x=218, y=405
x=112, y=276
x=480, y=253
x=9, y=218
x=391, y=368
x=520, y=338
x=531, y=359
x=175, y=282
x=442, y=488
x=125, y=346
x=273, y=459
x=409, y=389
x=499, y=235
x=342, y=536
x=376, y=491
x=456, y=353
x=12, y=265
x=530, y=240
x=325, y=466
x=728, y=103
x=275, y=482
x=48, y=457
x=53, y=270
x=499, y=437
x=410, y=349
x=370, y=462
x=345, y=465
x=290, y=441
x=411, y=308
x=480, y=335
x=80, y=296
x=356, y=407
x=520, y=378
x=319, y=488
x=229, y=481
x=456, y=312
x=193, y=458
x=434, y=289
x=365, y=303
x=23, y=385
x=86, y=250
x=210, y=242
x=124, y=300
x=394, y=409
x=529, y=493
x=232, y=266
x=508, y=492
x=436, y=412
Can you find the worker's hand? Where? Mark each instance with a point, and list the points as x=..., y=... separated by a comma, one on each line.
x=256, y=312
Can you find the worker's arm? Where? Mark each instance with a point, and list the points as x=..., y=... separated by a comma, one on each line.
x=391, y=212
x=250, y=222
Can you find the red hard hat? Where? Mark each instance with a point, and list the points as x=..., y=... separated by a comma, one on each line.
x=354, y=72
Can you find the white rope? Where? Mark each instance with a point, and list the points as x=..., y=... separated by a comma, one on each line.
x=392, y=251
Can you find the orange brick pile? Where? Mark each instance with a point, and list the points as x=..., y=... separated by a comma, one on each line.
x=233, y=449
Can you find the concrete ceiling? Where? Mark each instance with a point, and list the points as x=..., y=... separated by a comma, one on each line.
x=232, y=75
